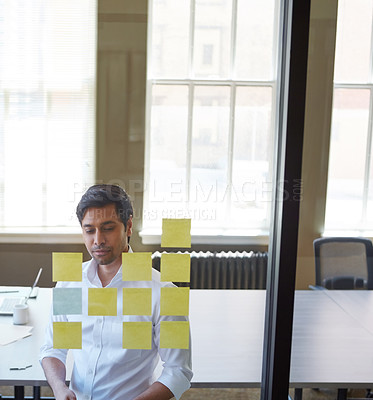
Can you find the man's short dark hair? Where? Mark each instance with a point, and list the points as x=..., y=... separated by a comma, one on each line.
x=103, y=194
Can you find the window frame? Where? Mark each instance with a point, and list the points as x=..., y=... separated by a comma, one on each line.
x=229, y=236
x=361, y=228
x=57, y=233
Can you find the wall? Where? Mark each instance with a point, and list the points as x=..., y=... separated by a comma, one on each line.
x=19, y=263
x=316, y=135
x=121, y=80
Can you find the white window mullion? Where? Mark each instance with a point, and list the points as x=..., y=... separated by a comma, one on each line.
x=233, y=39
x=232, y=109
x=274, y=85
x=230, y=149
x=189, y=141
x=5, y=98
x=192, y=24
x=340, y=85
x=274, y=116
x=212, y=82
x=46, y=149
x=369, y=137
x=190, y=98
x=367, y=161
x=275, y=49
x=371, y=53
x=148, y=111
x=148, y=108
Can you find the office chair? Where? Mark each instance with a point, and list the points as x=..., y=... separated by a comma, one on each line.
x=344, y=263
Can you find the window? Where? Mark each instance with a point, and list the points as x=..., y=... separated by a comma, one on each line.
x=207, y=53
x=47, y=111
x=349, y=205
x=211, y=94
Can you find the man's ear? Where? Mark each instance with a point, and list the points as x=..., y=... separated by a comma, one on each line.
x=129, y=226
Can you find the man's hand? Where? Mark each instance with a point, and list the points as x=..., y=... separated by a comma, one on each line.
x=64, y=393
x=55, y=372
x=157, y=391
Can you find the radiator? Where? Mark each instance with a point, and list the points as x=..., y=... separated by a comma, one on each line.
x=231, y=270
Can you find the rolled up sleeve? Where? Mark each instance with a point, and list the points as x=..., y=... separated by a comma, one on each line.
x=47, y=349
x=177, y=363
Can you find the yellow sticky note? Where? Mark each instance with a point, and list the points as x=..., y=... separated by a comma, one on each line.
x=175, y=268
x=67, y=335
x=137, y=335
x=174, y=301
x=174, y=335
x=176, y=233
x=137, y=301
x=137, y=266
x=102, y=301
x=67, y=267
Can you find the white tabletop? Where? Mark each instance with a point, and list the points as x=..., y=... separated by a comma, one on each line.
x=357, y=303
x=332, y=339
x=28, y=348
x=331, y=348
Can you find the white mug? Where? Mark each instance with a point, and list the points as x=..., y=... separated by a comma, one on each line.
x=20, y=314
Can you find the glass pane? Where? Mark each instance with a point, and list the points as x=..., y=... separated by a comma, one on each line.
x=346, y=170
x=170, y=39
x=212, y=39
x=208, y=189
x=47, y=104
x=67, y=139
x=23, y=171
x=168, y=153
x=353, y=46
x=254, y=41
x=252, y=152
x=64, y=66
x=20, y=36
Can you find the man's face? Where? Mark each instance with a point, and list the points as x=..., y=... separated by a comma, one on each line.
x=104, y=234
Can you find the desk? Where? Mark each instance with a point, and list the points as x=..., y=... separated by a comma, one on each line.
x=330, y=347
x=332, y=339
x=27, y=348
x=358, y=304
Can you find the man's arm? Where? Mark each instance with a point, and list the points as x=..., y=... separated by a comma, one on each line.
x=157, y=391
x=176, y=362
x=55, y=372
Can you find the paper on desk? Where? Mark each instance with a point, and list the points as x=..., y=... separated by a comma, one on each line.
x=10, y=333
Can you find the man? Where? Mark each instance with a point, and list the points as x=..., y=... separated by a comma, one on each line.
x=103, y=370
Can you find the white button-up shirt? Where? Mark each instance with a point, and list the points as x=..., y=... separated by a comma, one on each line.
x=102, y=368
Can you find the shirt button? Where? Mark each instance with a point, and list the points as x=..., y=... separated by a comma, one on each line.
x=97, y=346
x=90, y=372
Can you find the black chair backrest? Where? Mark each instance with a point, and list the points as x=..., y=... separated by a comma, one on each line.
x=344, y=262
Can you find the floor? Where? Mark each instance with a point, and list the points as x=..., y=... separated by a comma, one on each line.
x=225, y=394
